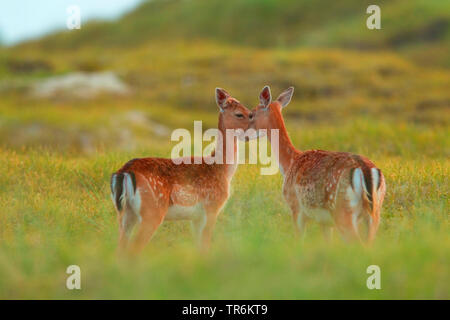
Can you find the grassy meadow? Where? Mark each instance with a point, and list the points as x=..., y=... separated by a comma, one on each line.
x=57, y=154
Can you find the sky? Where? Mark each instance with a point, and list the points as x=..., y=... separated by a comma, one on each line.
x=26, y=19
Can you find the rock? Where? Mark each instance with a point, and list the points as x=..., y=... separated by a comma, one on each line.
x=80, y=85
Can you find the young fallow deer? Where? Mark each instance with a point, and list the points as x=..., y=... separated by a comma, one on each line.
x=334, y=188
x=148, y=191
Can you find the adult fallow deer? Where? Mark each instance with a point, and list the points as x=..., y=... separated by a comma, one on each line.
x=148, y=191
x=333, y=188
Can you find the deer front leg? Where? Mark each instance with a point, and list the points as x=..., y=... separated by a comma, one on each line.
x=327, y=232
x=212, y=212
x=198, y=224
x=208, y=230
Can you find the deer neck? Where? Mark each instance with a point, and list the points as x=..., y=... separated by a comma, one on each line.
x=287, y=151
x=225, y=152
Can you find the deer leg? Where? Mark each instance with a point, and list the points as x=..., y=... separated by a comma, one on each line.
x=300, y=222
x=345, y=222
x=373, y=227
x=198, y=224
x=127, y=220
x=151, y=218
x=298, y=217
x=123, y=241
x=327, y=232
x=208, y=230
x=146, y=230
x=206, y=234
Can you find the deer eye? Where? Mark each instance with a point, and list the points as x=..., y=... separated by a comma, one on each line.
x=239, y=115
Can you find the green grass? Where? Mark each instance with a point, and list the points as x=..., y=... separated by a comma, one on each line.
x=57, y=153
x=173, y=84
x=58, y=213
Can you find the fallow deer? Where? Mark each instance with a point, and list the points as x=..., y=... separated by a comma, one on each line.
x=333, y=188
x=148, y=191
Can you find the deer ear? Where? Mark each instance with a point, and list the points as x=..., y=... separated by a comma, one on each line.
x=265, y=97
x=285, y=97
x=221, y=98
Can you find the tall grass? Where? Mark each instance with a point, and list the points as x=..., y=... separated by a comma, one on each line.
x=57, y=212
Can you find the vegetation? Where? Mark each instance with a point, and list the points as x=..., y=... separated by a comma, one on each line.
x=419, y=29
x=57, y=153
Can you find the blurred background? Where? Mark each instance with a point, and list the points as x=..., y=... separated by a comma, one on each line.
x=153, y=65
x=77, y=104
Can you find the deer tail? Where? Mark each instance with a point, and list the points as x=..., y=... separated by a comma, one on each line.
x=123, y=190
x=366, y=182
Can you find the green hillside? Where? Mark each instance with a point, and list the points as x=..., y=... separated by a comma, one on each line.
x=407, y=26
x=172, y=54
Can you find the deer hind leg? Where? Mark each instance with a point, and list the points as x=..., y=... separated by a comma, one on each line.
x=372, y=226
x=126, y=220
x=346, y=221
x=300, y=220
x=153, y=207
x=299, y=217
x=127, y=203
x=151, y=220
x=349, y=211
x=348, y=225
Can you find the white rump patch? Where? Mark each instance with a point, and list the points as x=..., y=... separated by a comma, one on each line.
x=135, y=204
x=354, y=195
x=129, y=198
x=358, y=181
x=375, y=178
